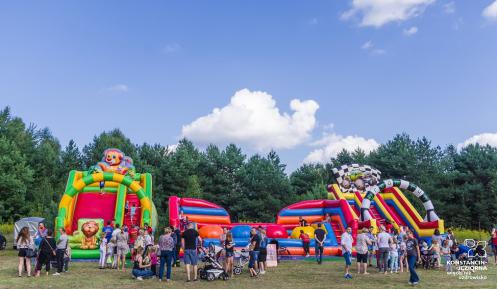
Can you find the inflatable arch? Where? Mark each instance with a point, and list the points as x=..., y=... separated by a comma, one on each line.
x=402, y=184
x=74, y=187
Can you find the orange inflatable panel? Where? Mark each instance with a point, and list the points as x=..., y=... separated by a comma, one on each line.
x=295, y=219
x=209, y=219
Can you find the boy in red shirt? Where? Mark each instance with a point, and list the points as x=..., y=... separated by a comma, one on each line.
x=305, y=242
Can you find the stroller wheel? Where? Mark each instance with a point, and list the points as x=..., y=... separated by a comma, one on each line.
x=211, y=276
x=201, y=273
x=237, y=271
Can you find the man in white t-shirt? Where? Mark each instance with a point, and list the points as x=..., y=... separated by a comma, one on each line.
x=346, y=242
x=383, y=248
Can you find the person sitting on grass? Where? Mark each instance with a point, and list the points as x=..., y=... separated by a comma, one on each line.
x=346, y=243
x=142, y=264
x=362, y=244
x=305, y=242
x=320, y=237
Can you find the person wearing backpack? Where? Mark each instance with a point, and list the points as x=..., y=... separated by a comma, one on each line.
x=47, y=252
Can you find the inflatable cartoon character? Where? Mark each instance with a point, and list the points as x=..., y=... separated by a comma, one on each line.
x=89, y=230
x=111, y=161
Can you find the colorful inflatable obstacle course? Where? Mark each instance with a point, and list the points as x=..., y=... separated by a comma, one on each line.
x=360, y=199
x=108, y=191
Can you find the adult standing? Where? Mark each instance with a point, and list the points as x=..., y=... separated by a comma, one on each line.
x=494, y=244
x=60, y=251
x=362, y=247
x=262, y=251
x=47, y=252
x=372, y=246
x=41, y=233
x=383, y=248
x=122, y=248
x=413, y=254
x=346, y=243
x=319, y=237
x=254, y=249
x=229, y=247
x=189, y=244
x=25, y=243
x=166, y=247
x=108, y=231
x=436, y=237
x=177, y=244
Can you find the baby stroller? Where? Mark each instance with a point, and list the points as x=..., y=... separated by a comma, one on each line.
x=241, y=259
x=428, y=257
x=212, y=268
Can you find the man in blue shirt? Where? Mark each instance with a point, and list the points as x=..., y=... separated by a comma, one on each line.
x=108, y=231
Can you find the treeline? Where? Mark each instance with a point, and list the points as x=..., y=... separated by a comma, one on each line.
x=34, y=169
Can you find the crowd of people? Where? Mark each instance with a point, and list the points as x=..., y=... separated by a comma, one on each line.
x=399, y=251
x=41, y=249
x=394, y=251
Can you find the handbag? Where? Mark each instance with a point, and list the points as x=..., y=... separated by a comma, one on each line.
x=31, y=253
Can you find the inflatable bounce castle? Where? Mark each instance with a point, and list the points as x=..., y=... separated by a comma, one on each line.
x=359, y=199
x=105, y=192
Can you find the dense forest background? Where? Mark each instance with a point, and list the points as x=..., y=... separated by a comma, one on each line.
x=34, y=169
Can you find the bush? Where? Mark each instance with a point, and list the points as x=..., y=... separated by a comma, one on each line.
x=462, y=234
x=6, y=228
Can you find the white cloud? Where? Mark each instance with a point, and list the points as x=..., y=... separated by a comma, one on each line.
x=367, y=45
x=450, y=8
x=377, y=13
x=118, y=88
x=482, y=139
x=333, y=144
x=490, y=12
x=411, y=31
x=171, y=48
x=253, y=119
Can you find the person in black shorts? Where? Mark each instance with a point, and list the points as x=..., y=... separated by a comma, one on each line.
x=262, y=251
x=319, y=237
x=362, y=243
x=229, y=247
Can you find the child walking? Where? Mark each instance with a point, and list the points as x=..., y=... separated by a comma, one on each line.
x=445, y=251
x=394, y=256
x=103, y=251
x=403, y=253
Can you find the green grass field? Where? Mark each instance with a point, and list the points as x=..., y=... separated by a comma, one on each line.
x=289, y=274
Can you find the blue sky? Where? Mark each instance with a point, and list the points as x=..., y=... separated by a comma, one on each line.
x=156, y=70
